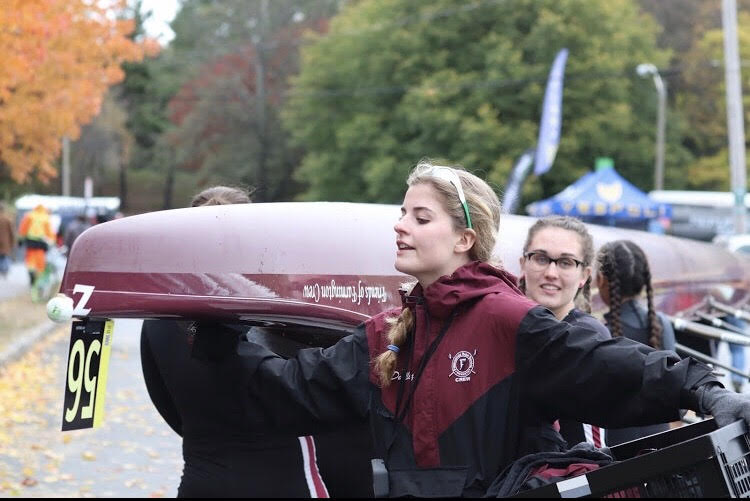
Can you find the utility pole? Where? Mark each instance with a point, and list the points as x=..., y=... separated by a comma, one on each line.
x=661, y=125
x=643, y=70
x=65, y=166
x=260, y=100
x=735, y=117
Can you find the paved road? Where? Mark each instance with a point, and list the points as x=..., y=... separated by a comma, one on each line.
x=133, y=454
x=17, y=280
x=15, y=283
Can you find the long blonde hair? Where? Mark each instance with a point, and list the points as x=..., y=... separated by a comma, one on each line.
x=484, y=212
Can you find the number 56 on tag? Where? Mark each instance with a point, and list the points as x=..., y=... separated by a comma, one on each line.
x=86, y=379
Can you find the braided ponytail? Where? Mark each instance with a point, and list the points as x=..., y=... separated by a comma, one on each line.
x=655, y=340
x=615, y=302
x=607, y=267
x=625, y=266
x=385, y=363
x=583, y=302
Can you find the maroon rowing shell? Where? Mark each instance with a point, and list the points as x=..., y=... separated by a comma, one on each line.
x=314, y=263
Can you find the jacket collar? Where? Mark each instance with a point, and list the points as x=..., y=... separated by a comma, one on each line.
x=471, y=281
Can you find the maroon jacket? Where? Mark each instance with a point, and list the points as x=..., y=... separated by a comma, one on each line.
x=504, y=363
x=476, y=354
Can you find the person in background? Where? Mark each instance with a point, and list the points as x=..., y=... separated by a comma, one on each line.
x=556, y=273
x=73, y=229
x=222, y=195
x=36, y=231
x=7, y=240
x=623, y=273
x=232, y=450
x=737, y=352
x=91, y=215
x=449, y=380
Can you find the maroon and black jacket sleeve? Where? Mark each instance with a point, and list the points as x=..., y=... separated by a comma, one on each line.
x=570, y=373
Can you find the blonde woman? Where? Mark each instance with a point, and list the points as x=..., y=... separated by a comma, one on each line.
x=449, y=380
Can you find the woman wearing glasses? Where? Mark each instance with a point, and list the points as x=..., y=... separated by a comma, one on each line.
x=556, y=273
x=449, y=380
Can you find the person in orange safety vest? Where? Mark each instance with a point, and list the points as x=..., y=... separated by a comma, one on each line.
x=36, y=231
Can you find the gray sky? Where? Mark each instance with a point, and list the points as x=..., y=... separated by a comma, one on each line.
x=163, y=12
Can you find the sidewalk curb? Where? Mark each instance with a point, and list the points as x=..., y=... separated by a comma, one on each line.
x=25, y=341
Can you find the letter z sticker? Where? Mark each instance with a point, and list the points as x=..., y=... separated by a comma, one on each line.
x=80, y=309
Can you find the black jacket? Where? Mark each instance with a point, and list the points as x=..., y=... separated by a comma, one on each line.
x=503, y=361
x=575, y=432
x=231, y=449
x=634, y=321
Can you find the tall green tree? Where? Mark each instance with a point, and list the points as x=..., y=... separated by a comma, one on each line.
x=102, y=150
x=396, y=80
x=143, y=95
x=225, y=121
x=703, y=99
x=692, y=30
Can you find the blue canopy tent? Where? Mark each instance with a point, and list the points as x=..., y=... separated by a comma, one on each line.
x=603, y=197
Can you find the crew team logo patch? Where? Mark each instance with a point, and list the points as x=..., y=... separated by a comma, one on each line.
x=462, y=365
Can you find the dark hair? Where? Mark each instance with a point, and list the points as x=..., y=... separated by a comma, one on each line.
x=222, y=195
x=583, y=301
x=626, y=269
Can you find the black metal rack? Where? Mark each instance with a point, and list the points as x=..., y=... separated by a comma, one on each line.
x=697, y=460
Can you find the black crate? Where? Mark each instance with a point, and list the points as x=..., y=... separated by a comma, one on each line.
x=692, y=461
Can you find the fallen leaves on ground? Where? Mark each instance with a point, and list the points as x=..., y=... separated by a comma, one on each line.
x=124, y=457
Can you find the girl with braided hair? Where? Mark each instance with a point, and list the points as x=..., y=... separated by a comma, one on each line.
x=556, y=273
x=622, y=275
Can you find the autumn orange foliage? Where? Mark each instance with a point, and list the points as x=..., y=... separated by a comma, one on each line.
x=59, y=58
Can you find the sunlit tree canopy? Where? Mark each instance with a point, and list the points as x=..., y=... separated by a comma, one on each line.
x=59, y=58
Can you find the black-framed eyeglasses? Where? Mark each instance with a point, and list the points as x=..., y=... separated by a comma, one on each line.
x=541, y=261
